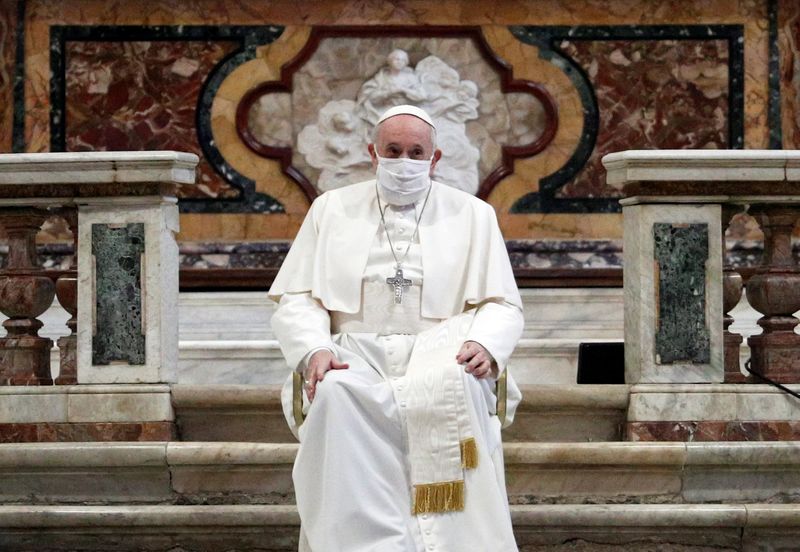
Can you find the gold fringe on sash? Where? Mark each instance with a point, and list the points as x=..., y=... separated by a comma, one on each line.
x=469, y=454
x=438, y=497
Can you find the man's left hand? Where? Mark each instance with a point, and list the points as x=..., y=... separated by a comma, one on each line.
x=478, y=361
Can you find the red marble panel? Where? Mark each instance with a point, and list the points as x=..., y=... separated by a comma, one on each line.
x=777, y=430
x=141, y=96
x=18, y=433
x=75, y=432
x=8, y=38
x=659, y=431
x=789, y=44
x=651, y=94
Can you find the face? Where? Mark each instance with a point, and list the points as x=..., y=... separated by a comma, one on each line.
x=398, y=59
x=404, y=136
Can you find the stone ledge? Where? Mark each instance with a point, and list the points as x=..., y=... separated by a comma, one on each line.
x=739, y=527
x=554, y=473
x=108, y=168
x=571, y=413
x=61, y=404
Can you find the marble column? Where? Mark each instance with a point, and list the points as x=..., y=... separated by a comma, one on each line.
x=25, y=293
x=731, y=294
x=774, y=291
x=67, y=294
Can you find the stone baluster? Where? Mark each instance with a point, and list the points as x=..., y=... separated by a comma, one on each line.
x=25, y=293
x=731, y=294
x=67, y=293
x=774, y=291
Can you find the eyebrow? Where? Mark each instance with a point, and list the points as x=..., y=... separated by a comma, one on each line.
x=398, y=145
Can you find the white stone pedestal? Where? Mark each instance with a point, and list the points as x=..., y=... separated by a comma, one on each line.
x=642, y=363
x=158, y=279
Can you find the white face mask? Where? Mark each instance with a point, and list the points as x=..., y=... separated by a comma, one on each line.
x=403, y=181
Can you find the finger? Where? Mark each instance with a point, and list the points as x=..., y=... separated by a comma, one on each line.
x=321, y=369
x=337, y=365
x=475, y=361
x=312, y=385
x=465, y=353
x=483, y=370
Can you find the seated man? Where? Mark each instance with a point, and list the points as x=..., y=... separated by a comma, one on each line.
x=373, y=265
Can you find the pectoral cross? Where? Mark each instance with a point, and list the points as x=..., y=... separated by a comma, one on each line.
x=398, y=282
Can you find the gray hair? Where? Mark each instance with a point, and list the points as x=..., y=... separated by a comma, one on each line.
x=376, y=130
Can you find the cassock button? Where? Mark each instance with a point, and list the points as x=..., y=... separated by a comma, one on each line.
x=403, y=405
x=430, y=547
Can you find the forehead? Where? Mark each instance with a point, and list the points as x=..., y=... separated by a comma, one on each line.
x=405, y=128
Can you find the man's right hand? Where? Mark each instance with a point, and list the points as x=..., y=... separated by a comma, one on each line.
x=319, y=363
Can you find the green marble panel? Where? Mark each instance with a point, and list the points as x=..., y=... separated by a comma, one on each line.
x=682, y=335
x=119, y=335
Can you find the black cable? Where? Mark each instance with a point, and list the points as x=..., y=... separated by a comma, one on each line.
x=769, y=381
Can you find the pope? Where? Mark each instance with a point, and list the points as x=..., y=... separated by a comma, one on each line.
x=401, y=448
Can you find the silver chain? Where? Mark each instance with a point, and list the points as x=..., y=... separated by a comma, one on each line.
x=386, y=231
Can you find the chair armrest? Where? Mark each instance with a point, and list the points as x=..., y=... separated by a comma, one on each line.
x=501, y=392
x=297, y=399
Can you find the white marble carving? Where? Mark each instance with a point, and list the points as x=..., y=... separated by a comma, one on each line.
x=337, y=143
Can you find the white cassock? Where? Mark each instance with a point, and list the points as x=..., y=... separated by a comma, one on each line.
x=352, y=475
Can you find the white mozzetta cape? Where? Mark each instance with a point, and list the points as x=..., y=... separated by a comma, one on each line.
x=464, y=258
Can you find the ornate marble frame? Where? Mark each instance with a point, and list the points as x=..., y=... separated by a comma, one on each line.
x=507, y=84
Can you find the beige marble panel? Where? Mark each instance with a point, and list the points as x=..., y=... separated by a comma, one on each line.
x=113, y=407
x=30, y=408
x=719, y=406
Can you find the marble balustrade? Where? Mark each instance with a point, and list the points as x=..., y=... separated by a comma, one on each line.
x=677, y=206
x=121, y=209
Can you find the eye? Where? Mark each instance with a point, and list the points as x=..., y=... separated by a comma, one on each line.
x=393, y=151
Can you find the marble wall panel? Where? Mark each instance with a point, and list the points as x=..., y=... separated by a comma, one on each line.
x=142, y=96
x=8, y=40
x=299, y=17
x=651, y=94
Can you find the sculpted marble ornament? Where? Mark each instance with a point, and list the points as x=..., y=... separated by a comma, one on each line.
x=337, y=143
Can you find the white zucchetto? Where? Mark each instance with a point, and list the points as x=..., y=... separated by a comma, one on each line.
x=406, y=110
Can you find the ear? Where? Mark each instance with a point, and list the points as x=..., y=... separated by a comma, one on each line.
x=436, y=156
x=373, y=155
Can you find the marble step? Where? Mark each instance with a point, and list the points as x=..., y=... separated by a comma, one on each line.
x=741, y=527
x=536, y=473
x=561, y=413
